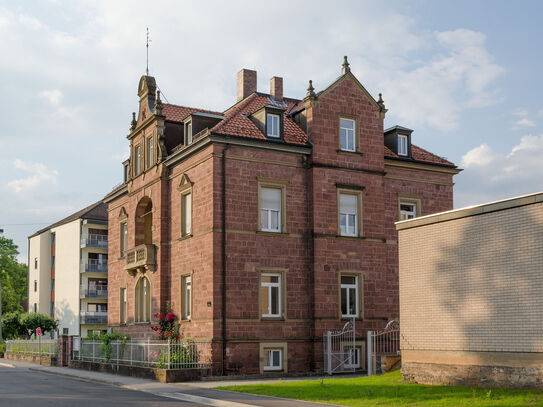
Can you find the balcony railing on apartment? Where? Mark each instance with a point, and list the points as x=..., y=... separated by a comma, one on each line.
x=96, y=241
x=90, y=317
x=94, y=266
x=96, y=292
x=142, y=256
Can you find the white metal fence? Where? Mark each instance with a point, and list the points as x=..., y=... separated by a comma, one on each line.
x=156, y=354
x=383, y=343
x=340, y=354
x=44, y=347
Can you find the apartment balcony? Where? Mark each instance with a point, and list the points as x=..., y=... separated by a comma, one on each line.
x=97, y=292
x=141, y=257
x=94, y=241
x=94, y=266
x=93, y=318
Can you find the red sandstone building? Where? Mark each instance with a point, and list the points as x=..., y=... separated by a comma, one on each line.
x=267, y=224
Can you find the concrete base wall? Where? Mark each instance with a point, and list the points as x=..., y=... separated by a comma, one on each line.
x=512, y=377
x=43, y=360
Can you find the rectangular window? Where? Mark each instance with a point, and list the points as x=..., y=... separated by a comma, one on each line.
x=189, y=133
x=408, y=210
x=35, y=285
x=123, y=306
x=124, y=237
x=349, y=296
x=270, y=295
x=273, y=359
x=352, y=358
x=35, y=262
x=150, y=153
x=272, y=123
x=137, y=160
x=346, y=134
x=35, y=307
x=52, y=285
x=65, y=331
x=402, y=144
x=270, y=209
x=52, y=262
x=186, y=214
x=125, y=172
x=348, y=214
x=186, y=300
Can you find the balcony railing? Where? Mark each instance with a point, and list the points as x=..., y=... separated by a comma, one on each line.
x=90, y=317
x=96, y=241
x=142, y=256
x=95, y=292
x=94, y=266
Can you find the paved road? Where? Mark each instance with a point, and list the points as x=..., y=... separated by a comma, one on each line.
x=20, y=387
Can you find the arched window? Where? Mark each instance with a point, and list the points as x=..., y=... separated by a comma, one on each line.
x=143, y=300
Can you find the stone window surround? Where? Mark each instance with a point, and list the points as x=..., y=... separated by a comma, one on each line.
x=356, y=133
x=137, y=300
x=185, y=188
x=283, y=294
x=283, y=346
x=360, y=287
x=182, y=296
x=348, y=190
x=276, y=184
x=410, y=199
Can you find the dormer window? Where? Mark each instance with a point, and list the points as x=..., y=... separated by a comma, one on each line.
x=402, y=144
x=126, y=171
x=272, y=124
x=188, y=138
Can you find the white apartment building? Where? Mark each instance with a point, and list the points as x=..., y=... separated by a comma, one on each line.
x=67, y=271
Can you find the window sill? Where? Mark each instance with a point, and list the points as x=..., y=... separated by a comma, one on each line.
x=185, y=321
x=270, y=233
x=358, y=153
x=272, y=319
x=273, y=370
x=184, y=237
x=142, y=323
x=383, y=240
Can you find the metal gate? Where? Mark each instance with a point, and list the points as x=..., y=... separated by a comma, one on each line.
x=339, y=349
x=383, y=343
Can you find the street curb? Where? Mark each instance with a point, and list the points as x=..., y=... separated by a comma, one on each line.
x=85, y=378
x=7, y=365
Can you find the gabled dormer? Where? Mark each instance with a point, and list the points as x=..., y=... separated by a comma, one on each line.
x=196, y=123
x=398, y=140
x=269, y=119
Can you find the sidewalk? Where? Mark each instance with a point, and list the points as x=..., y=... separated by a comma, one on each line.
x=200, y=392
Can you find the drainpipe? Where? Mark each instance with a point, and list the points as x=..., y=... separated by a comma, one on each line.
x=224, y=258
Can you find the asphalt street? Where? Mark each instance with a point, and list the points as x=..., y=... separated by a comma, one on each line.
x=20, y=387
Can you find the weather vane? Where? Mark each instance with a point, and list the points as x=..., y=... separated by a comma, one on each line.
x=147, y=45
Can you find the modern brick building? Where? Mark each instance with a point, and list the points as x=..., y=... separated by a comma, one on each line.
x=471, y=295
x=267, y=224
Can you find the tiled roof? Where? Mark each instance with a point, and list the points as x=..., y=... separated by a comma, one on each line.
x=97, y=211
x=421, y=155
x=237, y=122
x=177, y=113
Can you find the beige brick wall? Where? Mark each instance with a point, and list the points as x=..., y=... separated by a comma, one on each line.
x=474, y=283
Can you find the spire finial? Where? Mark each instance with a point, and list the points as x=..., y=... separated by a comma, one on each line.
x=147, y=45
x=158, y=105
x=134, y=122
x=345, y=67
x=311, y=90
x=381, y=102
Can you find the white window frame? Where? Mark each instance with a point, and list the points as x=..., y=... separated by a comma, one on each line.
x=186, y=215
x=186, y=312
x=348, y=287
x=124, y=238
x=137, y=156
x=350, y=135
x=275, y=121
x=402, y=144
x=342, y=212
x=123, y=305
x=268, y=359
x=269, y=285
x=269, y=212
x=150, y=152
x=408, y=214
x=189, y=133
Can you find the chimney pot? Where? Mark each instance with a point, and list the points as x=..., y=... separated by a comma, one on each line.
x=276, y=87
x=246, y=83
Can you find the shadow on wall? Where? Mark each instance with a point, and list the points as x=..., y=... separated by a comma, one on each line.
x=489, y=280
x=66, y=319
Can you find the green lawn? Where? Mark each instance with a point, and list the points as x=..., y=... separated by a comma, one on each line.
x=389, y=390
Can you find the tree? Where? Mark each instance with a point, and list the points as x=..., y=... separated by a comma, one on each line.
x=35, y=320
x=12, y=327
x=13, y=276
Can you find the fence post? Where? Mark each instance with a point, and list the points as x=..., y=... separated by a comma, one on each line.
x=169, y=349
x=370, y=352
x=329, y=351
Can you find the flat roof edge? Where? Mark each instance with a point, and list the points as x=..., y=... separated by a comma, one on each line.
x=481, y=209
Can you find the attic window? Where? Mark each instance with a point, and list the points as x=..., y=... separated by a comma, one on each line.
x=272, y=124
x=402, y=144
x=188, y=139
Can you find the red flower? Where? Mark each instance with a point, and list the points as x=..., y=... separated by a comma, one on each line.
x=170, y=316
x=156, y=315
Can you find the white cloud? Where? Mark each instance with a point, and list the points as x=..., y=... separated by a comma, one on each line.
x=489, y=175
x=524, y=122
x=39, y=174
x=53, y=96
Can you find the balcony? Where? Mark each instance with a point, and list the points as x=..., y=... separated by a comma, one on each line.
x=94, y=292
x=94, y=266
x=93, y=317
x=140, y=258
x=94, y=241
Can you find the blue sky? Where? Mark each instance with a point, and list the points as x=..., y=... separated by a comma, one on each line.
x=464, y=75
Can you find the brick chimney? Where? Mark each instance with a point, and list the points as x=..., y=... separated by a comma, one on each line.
x=246, y=83
x=276, y=87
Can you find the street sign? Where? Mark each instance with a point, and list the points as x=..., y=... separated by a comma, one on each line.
x=38, y=331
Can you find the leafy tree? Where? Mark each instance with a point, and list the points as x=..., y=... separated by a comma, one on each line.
x=34, y=320
x=12, y=327
x=13, y=276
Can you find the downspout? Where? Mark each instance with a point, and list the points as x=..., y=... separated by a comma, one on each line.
x=224, y=258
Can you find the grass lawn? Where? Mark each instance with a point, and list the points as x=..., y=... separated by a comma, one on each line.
x=389, y=390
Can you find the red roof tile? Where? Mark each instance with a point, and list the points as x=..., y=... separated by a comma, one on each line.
x=421, y=155
x=177, y=113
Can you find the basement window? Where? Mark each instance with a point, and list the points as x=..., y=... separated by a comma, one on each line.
x=273, y=359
